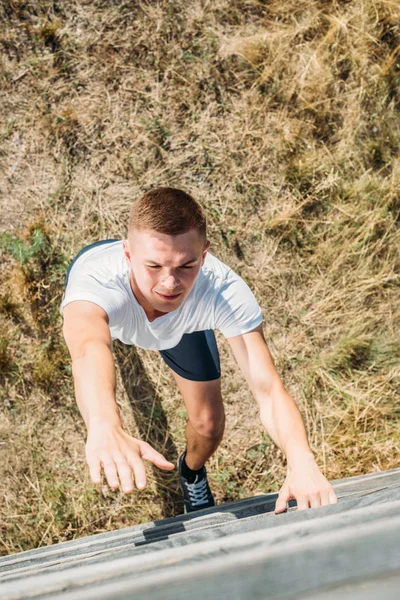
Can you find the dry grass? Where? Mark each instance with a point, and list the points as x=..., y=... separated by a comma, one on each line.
x=283, y=120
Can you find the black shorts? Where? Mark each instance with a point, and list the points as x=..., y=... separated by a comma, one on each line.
x=196, y=357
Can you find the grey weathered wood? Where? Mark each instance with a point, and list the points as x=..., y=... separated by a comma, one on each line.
x=204, y=529
x=232, y=550
x=390, y=475
x=259, y=571
x=355, y=486
x=334, y=533
x=386, y=586
x=155, y=531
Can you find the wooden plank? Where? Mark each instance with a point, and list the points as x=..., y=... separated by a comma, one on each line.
x=262, y=504
x=386, y=587
x=265, y=573
x=194, y=530
x=236, y=553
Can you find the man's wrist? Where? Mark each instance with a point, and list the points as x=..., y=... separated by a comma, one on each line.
x=109, y=421
x=300, y=459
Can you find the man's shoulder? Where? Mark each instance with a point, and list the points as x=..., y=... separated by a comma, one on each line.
x=100, y=275
x=101, y=267
x=105, y=261
x=215, y=267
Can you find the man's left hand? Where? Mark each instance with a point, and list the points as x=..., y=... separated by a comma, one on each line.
x=306, y=485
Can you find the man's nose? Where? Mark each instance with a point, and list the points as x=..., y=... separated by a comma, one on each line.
x=170, y=282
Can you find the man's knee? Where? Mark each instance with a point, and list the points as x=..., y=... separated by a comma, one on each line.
x=209, y=424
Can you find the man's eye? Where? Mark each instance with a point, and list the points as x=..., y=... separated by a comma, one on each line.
x=159, y=267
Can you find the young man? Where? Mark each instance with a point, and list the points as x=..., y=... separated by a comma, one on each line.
x=161, y=289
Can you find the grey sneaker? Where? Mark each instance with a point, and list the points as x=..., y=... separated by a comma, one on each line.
x=196, y=495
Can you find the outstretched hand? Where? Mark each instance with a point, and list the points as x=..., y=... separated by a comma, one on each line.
x=120, y=455
x=308, y=486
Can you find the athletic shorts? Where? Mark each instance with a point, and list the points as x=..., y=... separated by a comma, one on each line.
x=196, y=357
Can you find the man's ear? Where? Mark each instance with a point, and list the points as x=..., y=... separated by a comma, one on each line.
x=127, y=252
x=206, y=247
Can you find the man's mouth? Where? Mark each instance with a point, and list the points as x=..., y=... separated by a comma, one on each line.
x=169, y=297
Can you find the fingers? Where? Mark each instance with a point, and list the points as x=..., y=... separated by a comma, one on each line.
x=332, y=497
x=283, y=499
x=303, y=503
x=123, y=469
x=148, y=453
x=280, y=506
x=315, y=500
x=308, y=487
x=118, y=473
x=323, y=498
x=125, y=475
x=110, y=471
x=121, y=461
x=139, y=470
x=95, y=471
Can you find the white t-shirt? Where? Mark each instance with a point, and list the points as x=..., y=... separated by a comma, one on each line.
x=219, y=299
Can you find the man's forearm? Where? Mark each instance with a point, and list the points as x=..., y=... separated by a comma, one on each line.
x=94, y=380
x=283, y=422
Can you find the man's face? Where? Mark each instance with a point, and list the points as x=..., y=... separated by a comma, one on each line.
x=163, y=267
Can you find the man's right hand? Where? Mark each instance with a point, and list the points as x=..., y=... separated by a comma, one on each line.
x=108, y=447
x=120, y=455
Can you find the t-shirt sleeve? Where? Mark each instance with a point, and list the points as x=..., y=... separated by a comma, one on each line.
x=107, y=295
x=237, y=310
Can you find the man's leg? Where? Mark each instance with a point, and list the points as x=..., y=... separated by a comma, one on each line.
x=206, y=418
x=195, y=365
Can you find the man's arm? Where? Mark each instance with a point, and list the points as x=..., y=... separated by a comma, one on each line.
x=87, y=335
x=282, y=421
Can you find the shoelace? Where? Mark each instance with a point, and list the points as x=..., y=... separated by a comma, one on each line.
x=197, y=492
